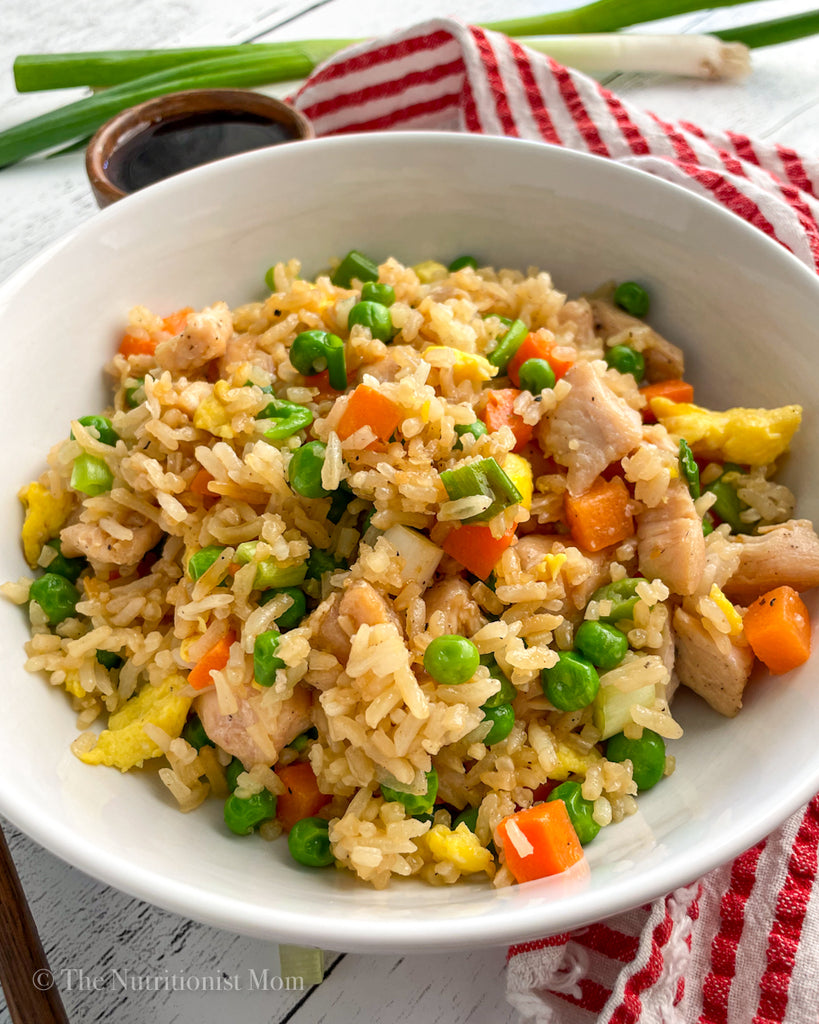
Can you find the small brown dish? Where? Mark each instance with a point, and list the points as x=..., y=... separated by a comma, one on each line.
x=173, y=133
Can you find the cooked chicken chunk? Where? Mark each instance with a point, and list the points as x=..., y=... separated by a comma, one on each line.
x=664, y=361
x=591, y=428
x=204, y=337
x=334, y=623
x=452, y=598
x=578, y=314
x=670, y=544
x=787, y=553
x=281, y=723
x=97, y=545
x=718, y=678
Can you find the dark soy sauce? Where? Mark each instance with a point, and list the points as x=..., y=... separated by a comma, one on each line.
x=177, y=144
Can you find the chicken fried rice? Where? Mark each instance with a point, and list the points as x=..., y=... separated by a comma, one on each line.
x=408, y=562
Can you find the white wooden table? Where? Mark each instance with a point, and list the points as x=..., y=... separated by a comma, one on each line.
x=116, y=958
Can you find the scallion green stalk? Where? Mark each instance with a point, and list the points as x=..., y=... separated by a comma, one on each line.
x=37, y=71
x=769, y=33
x=86, y=115
x=604, y=16
x=482, y=478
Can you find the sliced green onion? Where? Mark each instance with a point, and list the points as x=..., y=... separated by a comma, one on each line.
x=689, y=469
x=354, y=265
x=91, y=475
x=269, y=573
x=611, y=708
x=484, y=477
x=314, y=351
x=508, y=345
x=288, y=419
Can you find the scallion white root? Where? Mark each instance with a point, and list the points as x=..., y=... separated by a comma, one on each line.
x=692, y=56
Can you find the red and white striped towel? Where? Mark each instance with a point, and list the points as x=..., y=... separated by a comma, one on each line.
x=742, y=945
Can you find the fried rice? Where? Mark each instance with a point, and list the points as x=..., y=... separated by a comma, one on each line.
x=194, y=466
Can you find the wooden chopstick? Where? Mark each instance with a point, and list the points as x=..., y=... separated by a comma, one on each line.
x=30, y=988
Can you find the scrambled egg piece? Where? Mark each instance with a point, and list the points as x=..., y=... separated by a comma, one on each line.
x=519, y=471
x=754, y=437
x=44, y=516
x=72, y=685
x=211, y=414
x=727, y=609
x=465, y=365
x=571, y=760
x=429, y=271
x=550, y=566
x=124, y=744
x=460, y=846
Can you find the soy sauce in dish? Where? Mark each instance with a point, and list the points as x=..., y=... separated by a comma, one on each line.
x=176, y=144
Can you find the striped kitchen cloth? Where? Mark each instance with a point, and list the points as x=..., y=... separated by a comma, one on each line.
x=741, y=946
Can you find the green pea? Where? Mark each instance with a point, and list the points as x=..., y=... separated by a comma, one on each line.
x=234, y=769
x=476, y=429
x=461, y=262
x=265, y=660
x=270, y=279
x=579, y=809
x=304, y=471
x=374, y=291
x=623, y=597
x=201, y=560
x=632, y=297
x=101, y=427
x=300, y=742
x=414, y=803
x=90, y=475
x=469, y=817
x=71, y=568
x=309, y=843
x=110, y=660
x=355, y=265
x=292, y=616
x=374, y=316
x=535, y=375
x=288, y=419
x=314, y=351
x=193, y=732
x=572, y=683
x=647, y=756
x=626, y=359
x=135, y=393
x=508, y=691
x=603, y=644
x=689, y=469
x=56, y=595
x=451, y=659
x=502, y=717
x=244, y=814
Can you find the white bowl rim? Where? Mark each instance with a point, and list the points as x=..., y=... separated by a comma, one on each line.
x=516, y=925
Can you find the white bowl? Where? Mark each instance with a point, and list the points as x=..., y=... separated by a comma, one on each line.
x=744, y=310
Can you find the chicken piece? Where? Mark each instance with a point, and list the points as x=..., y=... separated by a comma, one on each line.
x=281, y=722
x=241, y=349
x=718, y=678
x=787, y=553
x=664, y=361
x=670, y=543
x=453, y=598
x=383, y=369
x=334, y=623
x=591, y=428
x=578, y=315
x=204, y=337
x=97, y=545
